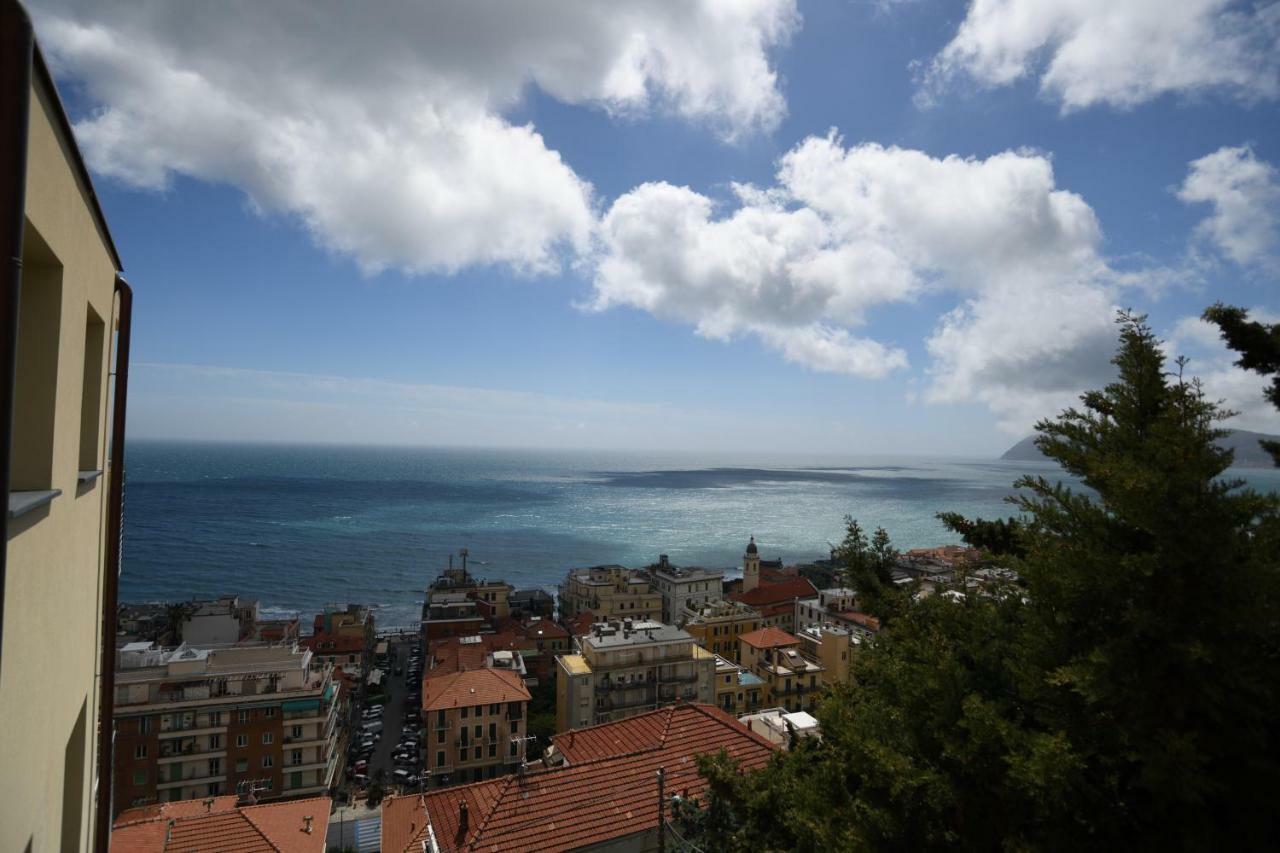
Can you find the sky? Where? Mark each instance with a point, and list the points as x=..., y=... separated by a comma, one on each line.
x=867, y=227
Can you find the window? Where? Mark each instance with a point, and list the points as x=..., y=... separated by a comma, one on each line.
x=463, y=714
x=440, y=758
x=243, y=716
x=514, y=726
x=295, y=757
x=269, y=713
x=242, y=765
x=215, y=741
x=39, y=325
x=144, y=725
x=242, y=741
x=495, y=708
x=91, y=411
x=479, y=730
x=295, y=732
x=215, y=766
x=295, y=780
x=268, y=783
x=215, y=717
x=140, y=751
x=439, y=735
x=268, y=761
x=511, y=750
x=139, y=777
x=477, y=752
x=267, y=737
x=440, y=719
x=493, y=750
x=493, y=731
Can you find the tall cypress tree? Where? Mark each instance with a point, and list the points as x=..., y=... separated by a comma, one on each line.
x=1122, y=695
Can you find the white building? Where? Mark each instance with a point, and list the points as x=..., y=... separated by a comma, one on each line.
x=684, y=589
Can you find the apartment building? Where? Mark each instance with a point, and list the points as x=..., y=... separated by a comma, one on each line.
x=684, y=589
x=228, y=619
x=817, y=609
x=475, y=724
x=602, y=796
x=610, y=592
x=792, y=681
x=738, y=689
x=64, y=357
x=717, y=626
x=832, y=646
x=627, y=667
x=198, y=722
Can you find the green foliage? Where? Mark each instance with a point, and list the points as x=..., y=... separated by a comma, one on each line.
x=1259, y=348
x=1123, y=696
x=1000, y=537
x=869, y=567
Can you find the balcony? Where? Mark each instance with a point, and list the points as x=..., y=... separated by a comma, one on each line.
x=190, y=731
x=202, y=778
x=186, y=755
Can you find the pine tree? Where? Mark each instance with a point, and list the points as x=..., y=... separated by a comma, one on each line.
x=1259, y=348
x=1123, y=695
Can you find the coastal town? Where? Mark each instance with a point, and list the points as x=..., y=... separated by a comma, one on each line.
x=437, y=738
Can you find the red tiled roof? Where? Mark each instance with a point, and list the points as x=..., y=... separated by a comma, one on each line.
x=580, y=625
x=484, y=686
x=857, y=617
x=450, y=654
x=342, y=644
x=190, y=826
x=768, y=638
x=545, y=629
x=773, y=593
x=607, y=791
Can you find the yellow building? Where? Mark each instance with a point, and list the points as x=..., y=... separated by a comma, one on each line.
x=792, y=681
x=475, y=723
x=738, y=689
x=832, y=647
x=610, y=592
x=65, y=447
x=626, y=668
x=718, y=625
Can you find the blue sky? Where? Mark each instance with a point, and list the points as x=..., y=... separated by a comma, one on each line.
x=473, y=227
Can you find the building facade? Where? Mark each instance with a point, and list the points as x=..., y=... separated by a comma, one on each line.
x=738, y=689
x=199, y=722
x=684, y=589
x=792, y=681
x=60, y=371
x=609, y=592
x=475, y=724
x=717, y=626
x=627, y=667
x=831, y=646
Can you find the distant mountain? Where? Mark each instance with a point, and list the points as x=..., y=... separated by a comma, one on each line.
x=1243, y=442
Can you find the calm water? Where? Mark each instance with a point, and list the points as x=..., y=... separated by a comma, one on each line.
x=299, y=527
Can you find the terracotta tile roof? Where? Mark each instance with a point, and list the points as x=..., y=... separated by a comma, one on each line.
x=224, y=826
x=450, y=654
x=769, y=638
x=580, y=625
x=333, y=644
x=607, y=791
x=866, y=620
x=473, y=687
x=773, y=593
x=545, y=629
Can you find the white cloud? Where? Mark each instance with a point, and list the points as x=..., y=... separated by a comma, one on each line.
x=847, y=229
x=384, y=133
x=1116, y=52
x=1244, y=193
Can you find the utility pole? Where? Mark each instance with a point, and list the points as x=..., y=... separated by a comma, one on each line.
x=662, y=818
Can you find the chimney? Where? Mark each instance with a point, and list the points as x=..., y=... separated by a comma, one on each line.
x=168, y=831
x=307, y=824
x=208, y=804
x=463, y=820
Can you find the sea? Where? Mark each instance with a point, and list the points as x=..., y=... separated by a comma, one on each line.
x=299, y=528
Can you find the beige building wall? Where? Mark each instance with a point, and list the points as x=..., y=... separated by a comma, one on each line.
x=49, y=684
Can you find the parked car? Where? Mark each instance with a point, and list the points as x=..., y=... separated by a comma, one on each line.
x=362, y=780
x=402, y=776
x=409, y=745
x=372, y=727
x=361, y=766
